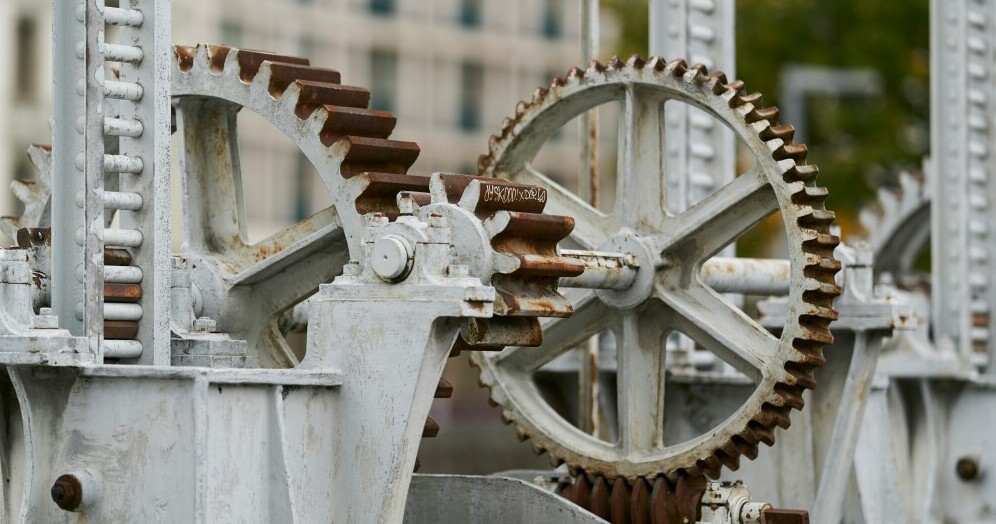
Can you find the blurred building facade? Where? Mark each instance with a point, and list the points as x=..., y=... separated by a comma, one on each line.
x=450, y=69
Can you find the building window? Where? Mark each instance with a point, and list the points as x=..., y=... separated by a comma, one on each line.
x=25, y=58
x=383, y=80
x=382, y=7
x=552, y=19
x=231, y=33
x=470, y=13
x=471, y=95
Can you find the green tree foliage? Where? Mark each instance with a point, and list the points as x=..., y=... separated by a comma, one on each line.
x=858, y=143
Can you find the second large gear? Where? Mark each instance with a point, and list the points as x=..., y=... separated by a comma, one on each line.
x=668, y=294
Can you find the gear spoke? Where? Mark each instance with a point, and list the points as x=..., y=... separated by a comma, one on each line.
x=591, y=227
x=722, y=328
x=560, y=335
x=640, y=196
x=720, y=218
x=640, y=338
x=210, y=163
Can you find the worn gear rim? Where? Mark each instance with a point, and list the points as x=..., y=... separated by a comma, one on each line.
x=333, y=128
x=811, y=246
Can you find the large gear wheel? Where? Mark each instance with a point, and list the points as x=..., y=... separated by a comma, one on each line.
x=668, y=294
x=338, y=134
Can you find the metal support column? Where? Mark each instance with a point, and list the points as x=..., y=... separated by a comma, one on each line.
x=77, y=167
x=151, y=38
x=700, y=153
x=961, y=134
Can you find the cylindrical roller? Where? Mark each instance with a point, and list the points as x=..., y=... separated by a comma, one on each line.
x=115, y=311
x=122, y=349
x=125, y=17
x=116, y=257
x=123, y=274
x=601, y=270
x=123, y=127
x=120, y=330
x=123, y=90
x=122, y=237
x=748, y=276
x=125, y=201
x=122, y=293
x=122, y=164
x=122, y=53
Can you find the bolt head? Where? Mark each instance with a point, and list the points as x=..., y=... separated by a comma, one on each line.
x=967, y=468
x=67, y=492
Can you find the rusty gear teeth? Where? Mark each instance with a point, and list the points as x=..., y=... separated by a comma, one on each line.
x=801, y=344
x=317, y=97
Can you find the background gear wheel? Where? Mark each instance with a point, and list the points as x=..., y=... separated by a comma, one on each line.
x=674, y=297
x=898, y=226
x=34, y=194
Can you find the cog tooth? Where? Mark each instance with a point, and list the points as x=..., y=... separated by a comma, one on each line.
x=635, y=62
x=698, y=73
x=729, y=458
x=801, y=375
x=677, y=68
x=753, y=99
x=616, y=63
x=768, y=114
x=791, y=396
x=556, y=82
x=430, y=429
x=184, y=57
x=736, y=87
x=745, y=447
x=762, y=433
x=484, y=161
x=202, y=58
x=802, y=173
x=785, y=133
x=656, y=63
x=521, y=434
x=772, y=415
x=795, y=152
x=820, y=219
x=596, y=66
x=520, y=109
x=717, y=83
x=443, y=389
x=709, y=466
x=574, y=74
x=810, y=196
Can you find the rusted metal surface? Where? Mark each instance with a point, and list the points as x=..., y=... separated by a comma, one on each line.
x=117, y=257
x=67, y=493
x=120, y=330
x=620, y=501
x=122, y=292
x=444, y=389
x=786, y=516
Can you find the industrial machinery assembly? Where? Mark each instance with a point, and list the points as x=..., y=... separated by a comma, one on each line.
x=140, y=383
